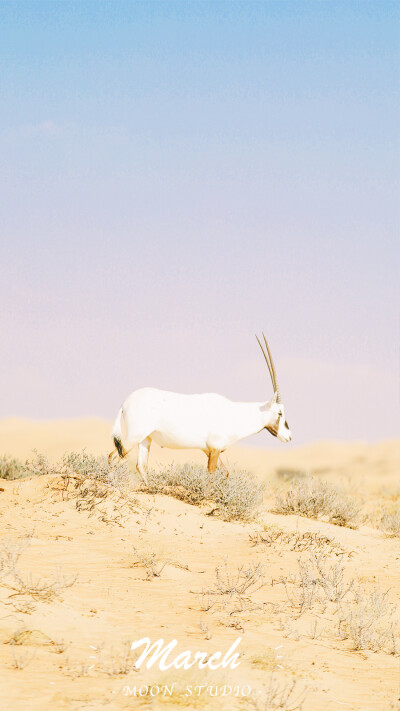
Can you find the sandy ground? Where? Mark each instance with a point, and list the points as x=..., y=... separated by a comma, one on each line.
x=69, y=643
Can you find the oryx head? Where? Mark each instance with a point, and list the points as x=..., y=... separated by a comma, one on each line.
x=277, y=424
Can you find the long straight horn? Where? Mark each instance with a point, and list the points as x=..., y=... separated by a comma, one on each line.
x=273, y=376
x=271, y=372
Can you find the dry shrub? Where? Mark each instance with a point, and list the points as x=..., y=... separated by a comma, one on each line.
x=230, y=594
x=22, y=659
x=389, y=522
x=26, y=586
x=279, y=696
x=95, y=487
x=154, y=563
x=89, y=480
x=108, y=502
x=11, y=468
x=370, y=622
x=236, y=495
x=291, y=474
x=246, y=579
x=72, y=463
x=280, y=540
x=318, y=582
x=151, y=562
x=315, y=499
x=367, y=619
x=87, y=466
x=118, y=661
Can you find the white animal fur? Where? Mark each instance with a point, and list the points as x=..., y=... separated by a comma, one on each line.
x=209, y=422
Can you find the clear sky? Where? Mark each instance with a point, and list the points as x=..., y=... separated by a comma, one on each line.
x=176, y=176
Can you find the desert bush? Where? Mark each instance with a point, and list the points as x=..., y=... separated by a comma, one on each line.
x=38, y=465
x=291, y=474
x=79, y=464
x=151, y=562
x=26, y=585
x=207, y=599
x=370, y=622
x=317, y=583
x=154, y=563
x=246, y=579
x=367, y=619
x=235, y=496
x=15, y=469
x=389, y=522
x=88, y=466
x=11, y=468
x=118, y=661
x=95, y=487
x=279, y=696
x=314, y=498
x=280, y=540
x=230, y=593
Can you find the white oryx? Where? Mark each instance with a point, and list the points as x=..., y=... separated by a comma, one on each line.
x=209, y=421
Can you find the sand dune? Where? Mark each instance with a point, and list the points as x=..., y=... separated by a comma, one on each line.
x=69, y=643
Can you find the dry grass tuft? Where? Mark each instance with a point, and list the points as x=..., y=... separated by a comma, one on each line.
x=22, y=659
x=118, y=661
x=265, y=660
x=279, y=696
x=151, y=562
x=315, y=499
x=236, y=496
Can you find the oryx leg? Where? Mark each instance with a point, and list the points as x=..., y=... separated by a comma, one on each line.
x=143, y=457
x=213, y=455
x=224, y=467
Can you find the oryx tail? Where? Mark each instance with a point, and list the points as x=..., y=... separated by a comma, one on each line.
x=117, y=433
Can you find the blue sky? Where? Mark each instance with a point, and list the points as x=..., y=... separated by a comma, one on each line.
x=178, y=175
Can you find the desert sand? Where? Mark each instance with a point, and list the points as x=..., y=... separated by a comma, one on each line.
x=66, y=650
